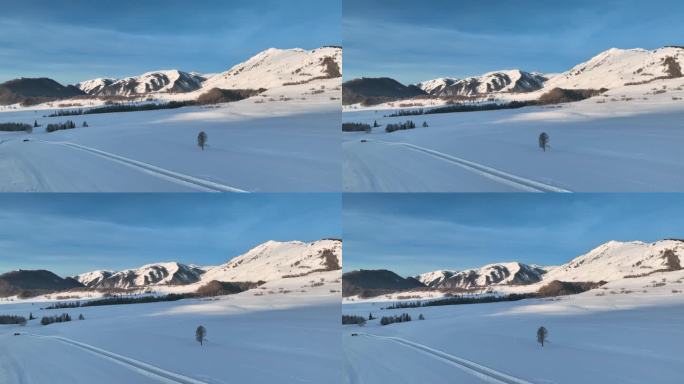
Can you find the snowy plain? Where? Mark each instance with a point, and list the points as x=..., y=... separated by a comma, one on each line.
x=628, y=331
x=284, y=331
x=627, y=139
x=286, y=139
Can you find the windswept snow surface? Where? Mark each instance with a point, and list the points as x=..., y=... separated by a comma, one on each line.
x=286, y=331
x=628, y=139
x=627, y=331
x=286, y=139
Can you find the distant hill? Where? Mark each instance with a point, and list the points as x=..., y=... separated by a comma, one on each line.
x=28, y=91
x=370, y=91
x=369, y=283
x=34, y=282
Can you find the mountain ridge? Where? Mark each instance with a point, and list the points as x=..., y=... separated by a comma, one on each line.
x=268, y=261
x=609, y=261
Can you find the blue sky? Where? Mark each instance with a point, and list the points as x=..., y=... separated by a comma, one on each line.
x=75, y=233
x=413, y=41
x=415, y=233
x=76, y=40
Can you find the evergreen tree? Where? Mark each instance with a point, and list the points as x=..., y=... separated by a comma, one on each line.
x=542, y=335
x=543, y=141
x=202, y=140
x=200, y=334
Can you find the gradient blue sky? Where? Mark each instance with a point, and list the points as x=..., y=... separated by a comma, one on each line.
x=416, y=233
x=76, y=233
x=413, y=41
x=76, y=40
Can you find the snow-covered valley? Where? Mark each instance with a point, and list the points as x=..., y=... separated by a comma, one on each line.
x=627, y=138
x=623, y=329
x=623, y=334
x=284, y=330
x=264, y=143
x=621, y=142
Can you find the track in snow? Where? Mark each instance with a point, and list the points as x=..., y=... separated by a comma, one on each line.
x=145, y=369
x=204, y=185
x=478, y=370
x=518, y=182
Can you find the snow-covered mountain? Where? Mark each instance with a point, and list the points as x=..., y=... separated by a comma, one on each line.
x=509, y=81
x=435, y=278
x=435, y=86
x=609, y=69
x=610, y=261
x=147, y=275
x=275, y=260
x=277, y=67
x=270, y=68
x=268, y=261
x=619, y=67
x=616, y=260
x=168, y=81
x=488, y=275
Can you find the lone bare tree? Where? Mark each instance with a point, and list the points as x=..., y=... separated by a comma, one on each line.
x=200, y=334
x=202, y=140
x=543, y=141
x=542, y=334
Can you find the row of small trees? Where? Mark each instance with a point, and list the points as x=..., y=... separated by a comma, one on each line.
x=386, y=320
x=15, y=127
x=121, y=300
x=354, y=319
x=12, y=319
x=357, y=127
x=60, y=126
x=64, y=317
x=389, y=128
x=116, y=107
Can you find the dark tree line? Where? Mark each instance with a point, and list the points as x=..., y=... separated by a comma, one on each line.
x=463, y=108
x=356, y=127
x=60, y=126
x=15, y=127
x=122, y=108
x=458, y=300
x=353, y=319
x=389, y=128
x=12, y=319
x=64, y=317
x=386, y=320
x=120, y=300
